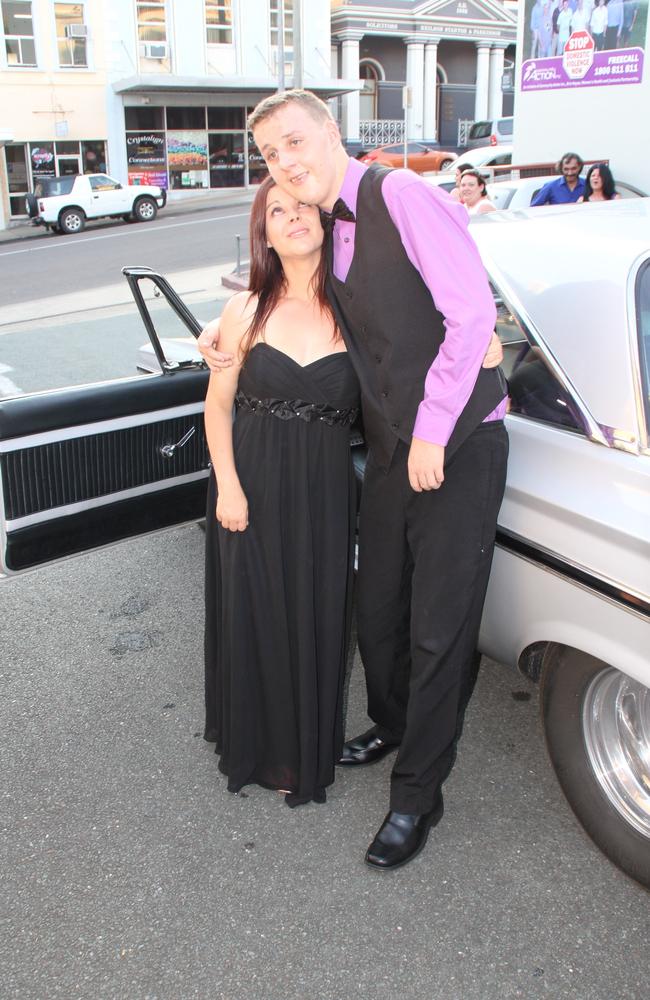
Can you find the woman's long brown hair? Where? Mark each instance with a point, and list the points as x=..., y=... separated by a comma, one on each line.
x=267, y=279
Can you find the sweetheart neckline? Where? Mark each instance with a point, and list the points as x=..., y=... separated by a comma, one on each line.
x=310, y=364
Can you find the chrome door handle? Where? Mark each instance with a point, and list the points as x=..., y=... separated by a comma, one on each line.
x=167, y=450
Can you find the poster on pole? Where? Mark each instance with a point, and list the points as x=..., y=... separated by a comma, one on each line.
x=583, y=43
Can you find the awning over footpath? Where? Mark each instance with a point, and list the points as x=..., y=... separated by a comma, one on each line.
x=237, y=89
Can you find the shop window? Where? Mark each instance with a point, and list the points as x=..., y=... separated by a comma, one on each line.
x=218, y=22
x=43, y=162
x=144, y=118
x=281, y=18
x=192, y=118
x=226, y=118
x=67, y=148
x=227, y=159
x=146, y=158
x=18, y=27
x=93, y=155
x=187, y=158
x=257, y=169
x=71, y=34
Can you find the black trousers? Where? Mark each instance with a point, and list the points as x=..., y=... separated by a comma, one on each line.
x=424, y=563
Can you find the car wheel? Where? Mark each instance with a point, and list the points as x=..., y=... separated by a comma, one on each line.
x=445, y=164
x=597, y=727
x=145, y=210
x=31, y=204
x=72, y=221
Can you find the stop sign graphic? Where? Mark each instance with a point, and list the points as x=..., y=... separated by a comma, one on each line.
x=578, y=54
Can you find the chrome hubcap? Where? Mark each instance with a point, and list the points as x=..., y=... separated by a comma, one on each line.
x=616, y=726
x=146, y=211
x=73, y=222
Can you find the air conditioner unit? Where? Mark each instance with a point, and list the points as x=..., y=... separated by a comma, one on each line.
x=155, y=50
x=76, y=31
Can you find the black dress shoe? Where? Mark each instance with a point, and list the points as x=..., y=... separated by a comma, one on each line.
x=401, y=837
x=365, y=749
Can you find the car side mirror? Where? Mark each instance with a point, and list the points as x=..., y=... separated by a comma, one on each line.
x=118, y=187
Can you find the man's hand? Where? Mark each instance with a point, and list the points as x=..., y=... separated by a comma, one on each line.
x=207, y=345
x=425, y=465
x=494, y=355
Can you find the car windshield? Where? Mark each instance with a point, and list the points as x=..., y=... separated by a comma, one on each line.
x=50, y=187
x=643, y=313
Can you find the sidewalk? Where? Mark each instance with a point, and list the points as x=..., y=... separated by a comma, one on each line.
x=175, y=207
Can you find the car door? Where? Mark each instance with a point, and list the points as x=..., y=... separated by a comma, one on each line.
x=108, y=197
x=87, y=466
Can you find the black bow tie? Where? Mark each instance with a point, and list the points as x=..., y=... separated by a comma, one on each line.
x=340, y=211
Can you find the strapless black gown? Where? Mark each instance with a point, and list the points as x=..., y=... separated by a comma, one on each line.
x=278, y=595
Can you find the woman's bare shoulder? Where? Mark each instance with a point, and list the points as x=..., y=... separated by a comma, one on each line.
x=240, y=308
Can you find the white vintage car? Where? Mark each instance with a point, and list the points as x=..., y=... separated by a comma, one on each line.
x=64, y=204
x=569, y=595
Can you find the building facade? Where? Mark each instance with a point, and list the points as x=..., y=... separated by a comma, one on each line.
x=152, y=91
x=455, y=56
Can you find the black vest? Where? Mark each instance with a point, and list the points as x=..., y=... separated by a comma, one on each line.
x=393, y=331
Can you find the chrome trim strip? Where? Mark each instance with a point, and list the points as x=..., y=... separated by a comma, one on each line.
x=533, y=336
x=54, y=513
x=634, y=333
x=99, y=427
x=631, y=600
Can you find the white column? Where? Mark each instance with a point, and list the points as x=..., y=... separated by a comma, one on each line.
x=495, y=104
x=415, y=80
x=430, y=129
x=350, y=71
x=482, y=81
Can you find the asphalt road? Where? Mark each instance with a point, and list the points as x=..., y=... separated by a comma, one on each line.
x=53, y=265
x=128, y=872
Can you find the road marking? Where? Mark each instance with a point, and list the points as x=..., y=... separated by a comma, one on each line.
x=130, y=232
x=7, y=387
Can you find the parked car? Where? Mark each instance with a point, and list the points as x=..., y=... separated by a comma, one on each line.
x=495, y=131
x=419, y=157
x=520, y=193
x=63, y=204
x=569, y=594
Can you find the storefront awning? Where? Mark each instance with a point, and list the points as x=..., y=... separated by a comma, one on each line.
x=248, y=90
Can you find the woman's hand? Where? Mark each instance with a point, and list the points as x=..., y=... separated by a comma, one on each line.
x=232, y=509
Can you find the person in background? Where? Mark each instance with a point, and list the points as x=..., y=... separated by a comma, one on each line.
x=598, y=24
x=614, y=24
x=630, y=13
x=580, y=17
x=473, y=193
x=566, y=189
x=535, y=26
x=599, y=184
x=454, y=194
x=563, y=22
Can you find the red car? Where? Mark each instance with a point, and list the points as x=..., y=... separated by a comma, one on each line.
x=419, y=157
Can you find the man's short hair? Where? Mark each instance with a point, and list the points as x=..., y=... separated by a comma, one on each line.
x=572, y=156
x=303, y=98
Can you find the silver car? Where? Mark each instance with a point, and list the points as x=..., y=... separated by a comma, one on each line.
x=569, y=595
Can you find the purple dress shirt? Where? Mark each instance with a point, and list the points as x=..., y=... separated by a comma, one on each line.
x=435, y=236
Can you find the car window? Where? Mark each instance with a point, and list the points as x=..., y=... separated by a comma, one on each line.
x=533, y=388
x=505, y=126
x=500, y=194
x=51, y=187
x=100, y=182
x=643, y=319
x=627, y=192
x=502, y=160
x=480, y=130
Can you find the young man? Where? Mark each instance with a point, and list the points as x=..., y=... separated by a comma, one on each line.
x=415, y=309
x=565, y=189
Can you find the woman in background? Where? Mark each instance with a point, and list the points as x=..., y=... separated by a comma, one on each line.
x=599, y=184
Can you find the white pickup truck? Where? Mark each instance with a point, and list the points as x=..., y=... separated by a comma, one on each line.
x=63, y=204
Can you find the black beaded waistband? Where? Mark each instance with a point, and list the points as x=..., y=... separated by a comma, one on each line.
x=287, y=409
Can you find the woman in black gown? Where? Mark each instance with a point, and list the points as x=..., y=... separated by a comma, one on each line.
x=280, y=519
